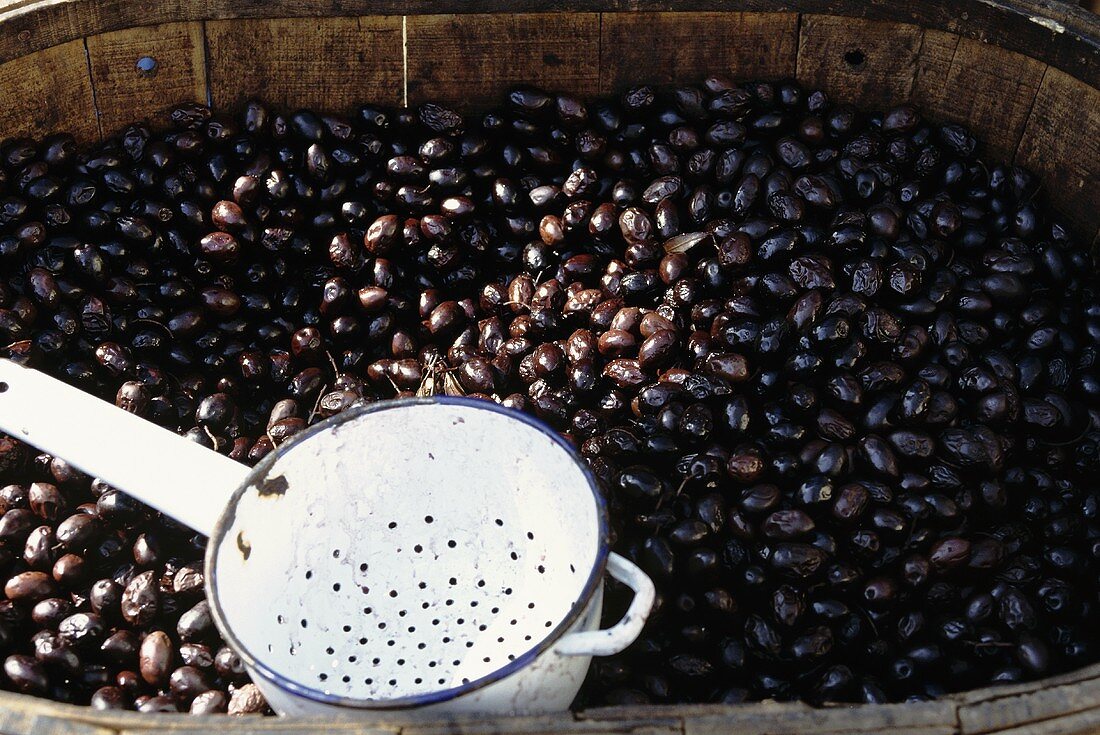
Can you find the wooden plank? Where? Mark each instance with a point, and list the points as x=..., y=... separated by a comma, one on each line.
x=989, y=89
x=257, y=725
x=1071, y=43
x=561, y=724
x=1083, y=723
x=1061, y=142
x=329, y=64
x=865, y=62
x=30, y=721
x=472, y=59
x=769, y=718
x=666, y=48
x=129, y=93
x=1041, y=705
x=46, y=91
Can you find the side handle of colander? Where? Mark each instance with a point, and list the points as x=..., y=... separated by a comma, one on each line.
x=610, y=641
x=158, y=467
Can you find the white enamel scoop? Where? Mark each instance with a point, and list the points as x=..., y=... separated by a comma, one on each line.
x=442, y=552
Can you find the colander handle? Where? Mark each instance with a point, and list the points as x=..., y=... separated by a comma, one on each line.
x=158, y=467
x=611, y=640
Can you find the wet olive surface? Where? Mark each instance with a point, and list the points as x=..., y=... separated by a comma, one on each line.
x=835, y=373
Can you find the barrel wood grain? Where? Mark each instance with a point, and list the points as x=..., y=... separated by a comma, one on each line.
x=663, y=48
x=1000, y=88
x=1008, y=711
x=323, y=63
x=48, y=91
x=1065, y=705
x=1058, y=33
x=861, y=61
x=179, y=74
x=475, y=58
x=1061, y=142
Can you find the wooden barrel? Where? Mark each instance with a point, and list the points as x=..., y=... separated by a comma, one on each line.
x=1023, y=74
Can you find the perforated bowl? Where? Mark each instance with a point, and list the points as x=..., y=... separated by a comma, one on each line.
x=355, y=568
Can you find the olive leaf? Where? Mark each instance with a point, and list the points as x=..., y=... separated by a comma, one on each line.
x=685, y=242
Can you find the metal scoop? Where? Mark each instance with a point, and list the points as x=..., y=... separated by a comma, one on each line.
x=441, y=552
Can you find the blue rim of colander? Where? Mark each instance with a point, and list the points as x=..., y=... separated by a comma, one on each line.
x=259, y=472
